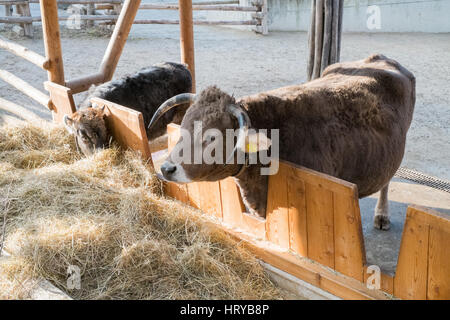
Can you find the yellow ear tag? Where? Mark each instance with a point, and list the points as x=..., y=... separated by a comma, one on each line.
x=251, y=147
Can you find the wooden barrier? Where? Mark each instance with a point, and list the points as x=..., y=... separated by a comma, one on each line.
x=26, y=88
x=316, y=217
x=187, y=37
x=126, y=126
x=62, y=100
x=25, y=53
x=258, y=8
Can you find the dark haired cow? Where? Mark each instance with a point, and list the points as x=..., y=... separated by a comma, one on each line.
x=143, y=91
x=350, y=123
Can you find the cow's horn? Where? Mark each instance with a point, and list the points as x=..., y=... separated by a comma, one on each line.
x=169, y=104
x=244, y=123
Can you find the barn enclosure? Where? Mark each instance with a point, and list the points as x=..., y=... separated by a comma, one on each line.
x=313, y=226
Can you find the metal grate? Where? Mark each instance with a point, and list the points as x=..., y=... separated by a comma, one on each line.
x=423, y=179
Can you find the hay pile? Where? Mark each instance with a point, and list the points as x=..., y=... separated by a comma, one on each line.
x=106, y=215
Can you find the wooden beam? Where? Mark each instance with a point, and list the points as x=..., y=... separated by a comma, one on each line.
x=126, y=126
x=25, y=53
x=24, y=11
x=18, y=110
x=62, y=100
x=26, y=88
x=81, y=84
x=119, y=38
x=52, y=41
x=187, y=37
x=153, y=6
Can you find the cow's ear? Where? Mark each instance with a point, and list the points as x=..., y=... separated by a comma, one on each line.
x=257, y=141
x=68, y=123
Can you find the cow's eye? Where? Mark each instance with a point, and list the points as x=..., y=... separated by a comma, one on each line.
x=210, y=139
x=83, y=135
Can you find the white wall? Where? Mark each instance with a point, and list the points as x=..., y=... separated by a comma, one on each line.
x=395, y=15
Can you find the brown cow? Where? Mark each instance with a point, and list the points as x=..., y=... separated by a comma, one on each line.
x=350, y=123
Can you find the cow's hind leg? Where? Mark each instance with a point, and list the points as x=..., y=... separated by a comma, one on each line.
x=381, y=219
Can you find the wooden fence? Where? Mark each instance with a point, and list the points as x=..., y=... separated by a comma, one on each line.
x=317, y=216
x=258, y=11
x=313, y=229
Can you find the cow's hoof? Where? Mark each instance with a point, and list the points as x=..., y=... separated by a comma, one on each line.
x=381, y=222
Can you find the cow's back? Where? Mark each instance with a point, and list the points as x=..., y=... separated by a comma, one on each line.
x=350, y=123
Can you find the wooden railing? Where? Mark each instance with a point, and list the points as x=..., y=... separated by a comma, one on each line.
x=258, y=10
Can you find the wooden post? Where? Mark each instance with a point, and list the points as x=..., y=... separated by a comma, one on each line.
x=90, y=12
x=324, y=36
x=52, y=41
x=24, y=10
x=327, y=24
x=311, y=41
x=187, y=37
x=318, y=39
x=119, y=38
x=8, y=10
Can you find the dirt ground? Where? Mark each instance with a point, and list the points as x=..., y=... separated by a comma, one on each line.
x=242, y=63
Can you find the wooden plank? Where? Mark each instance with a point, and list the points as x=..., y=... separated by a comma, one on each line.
x=319, y=179
x=26, y=88
x=232, y=206
x=25, y=53
x=298, y=236
x=309, y=271
x=52, y=40
x=348, y=237
x=175, y=190
x=154, y=6
x=320, y=223
x=62, y=100
x=438, y=264
x=206, y=197
x=18, y=110
x=126, y=126
x=173, y=133
x=430, y=217
x=256, y=226
x=277, y=214
x=410, y=281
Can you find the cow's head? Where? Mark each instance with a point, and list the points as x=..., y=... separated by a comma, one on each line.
x=204, y=132
x=89, y=128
